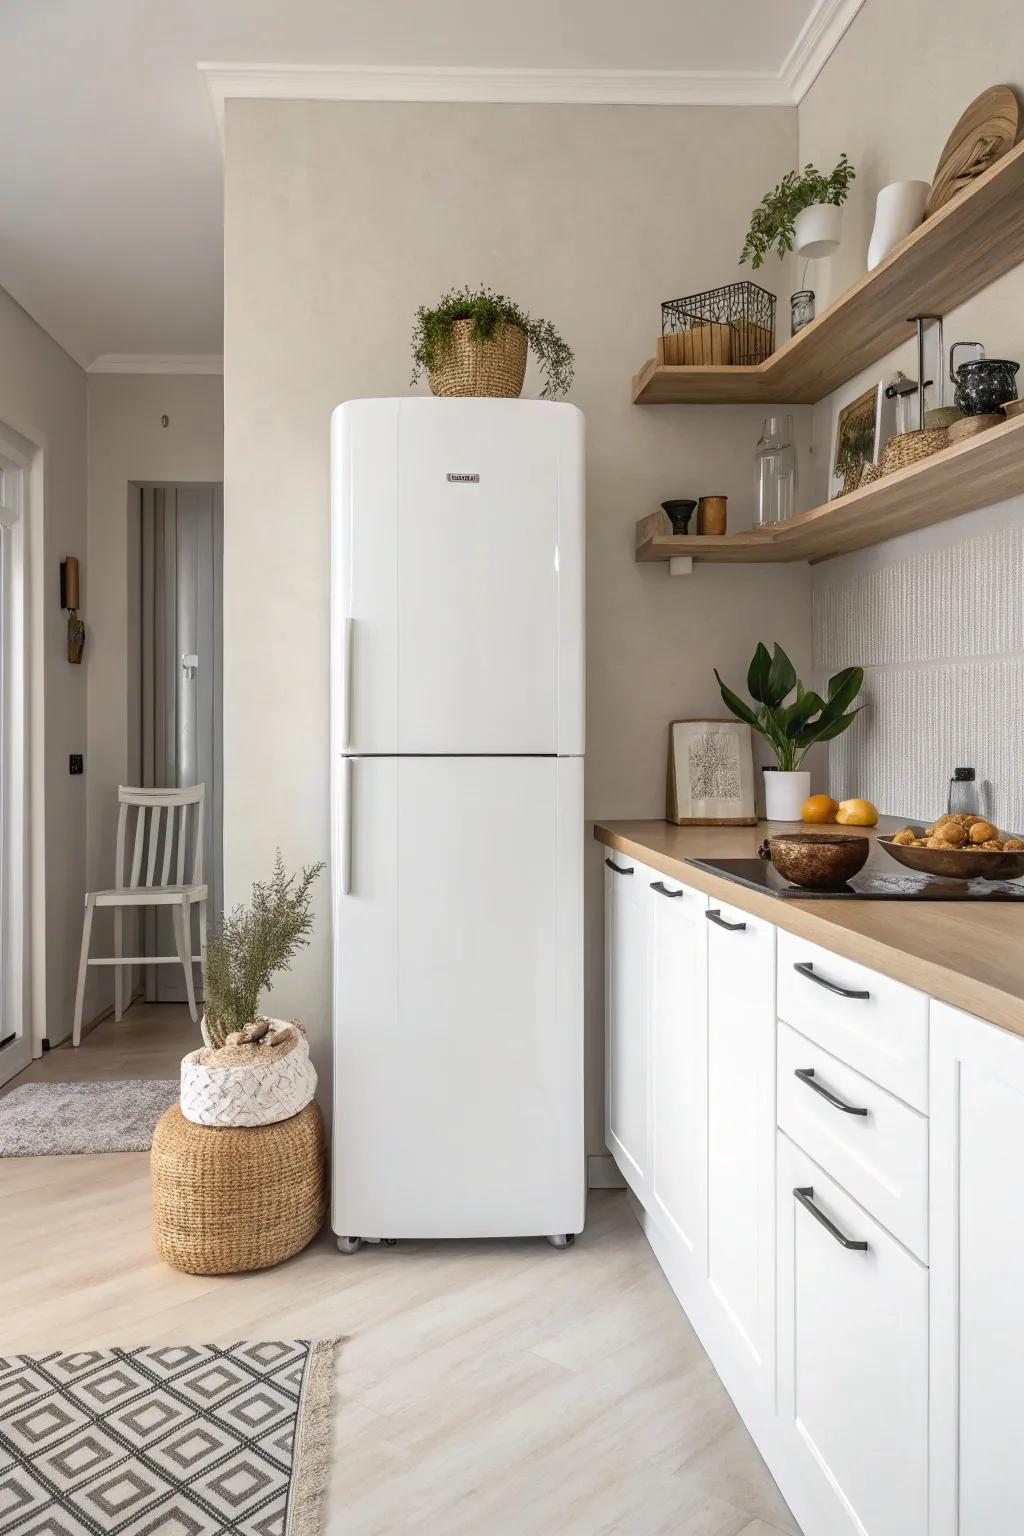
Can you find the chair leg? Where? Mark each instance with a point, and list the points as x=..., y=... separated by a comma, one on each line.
x=202, y=947
x=118, y=969
x=83, y=967
x=183, y=934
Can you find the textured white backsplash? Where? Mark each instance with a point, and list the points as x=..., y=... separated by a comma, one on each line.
x=940, y=634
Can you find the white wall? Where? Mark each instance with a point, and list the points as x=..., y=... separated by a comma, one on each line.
x=889, y=96
x=128, y=446
x=340, y=220
x=42, y=396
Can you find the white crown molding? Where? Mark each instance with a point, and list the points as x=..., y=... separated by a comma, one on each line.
x=171, y=362
x=818, y=38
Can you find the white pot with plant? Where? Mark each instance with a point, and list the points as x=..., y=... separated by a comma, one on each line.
x=475, y=342
x=791, y=729
x=252, y=1070
x=803, y=213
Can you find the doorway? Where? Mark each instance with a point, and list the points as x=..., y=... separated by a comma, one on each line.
x=15, y=1027
x=182, y=547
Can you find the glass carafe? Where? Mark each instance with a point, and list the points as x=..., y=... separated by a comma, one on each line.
x=776, y=471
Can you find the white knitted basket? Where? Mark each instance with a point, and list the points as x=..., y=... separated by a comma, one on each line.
x=256, y=1095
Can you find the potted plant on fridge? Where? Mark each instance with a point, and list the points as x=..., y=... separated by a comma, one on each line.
x=791, y=729
x=474, y=341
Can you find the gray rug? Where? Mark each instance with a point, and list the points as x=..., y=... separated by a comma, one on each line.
x=41, y=1119
x=189, y=1440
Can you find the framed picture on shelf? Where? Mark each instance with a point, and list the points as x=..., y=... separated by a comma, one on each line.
x=710, y=774
x=862, y=430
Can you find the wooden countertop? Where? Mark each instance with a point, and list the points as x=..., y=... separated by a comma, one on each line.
x=964, y=953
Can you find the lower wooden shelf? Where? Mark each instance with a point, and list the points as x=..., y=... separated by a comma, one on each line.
x=977, y=473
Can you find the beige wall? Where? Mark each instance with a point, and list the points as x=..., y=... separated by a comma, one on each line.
x=129, y=445
x=340, y=220
x=890, y=96
x=42, y=397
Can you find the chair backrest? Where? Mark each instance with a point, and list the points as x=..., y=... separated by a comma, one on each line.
x=176, y=857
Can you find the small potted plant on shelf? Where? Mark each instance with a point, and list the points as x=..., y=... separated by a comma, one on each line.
x=802, y=212
x=252, y=1070
x=791, y=729
x=475, y=342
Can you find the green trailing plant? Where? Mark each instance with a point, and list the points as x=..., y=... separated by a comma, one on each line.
x=252, y=944
x=792, y=729
x=434, y=329
x=772, y=221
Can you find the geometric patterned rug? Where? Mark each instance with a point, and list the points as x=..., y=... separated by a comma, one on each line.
x=187, y=1440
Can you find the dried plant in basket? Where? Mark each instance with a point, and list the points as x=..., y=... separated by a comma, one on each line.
x=251, y=945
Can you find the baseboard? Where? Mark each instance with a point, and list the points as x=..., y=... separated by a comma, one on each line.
x=603, y=1173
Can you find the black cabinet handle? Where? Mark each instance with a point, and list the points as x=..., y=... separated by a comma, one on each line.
x=806, y=1075
x=804, y=1197
x=663, y=890
x=714, y=915
x=620, y=869
x=806, y=969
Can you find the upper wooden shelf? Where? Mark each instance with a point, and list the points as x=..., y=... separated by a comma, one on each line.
x=960, y=250
x=976, y=473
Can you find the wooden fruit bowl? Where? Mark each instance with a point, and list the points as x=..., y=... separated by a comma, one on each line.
x=958, y=863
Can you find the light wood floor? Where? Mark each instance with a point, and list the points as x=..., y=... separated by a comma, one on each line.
x=485, y=1389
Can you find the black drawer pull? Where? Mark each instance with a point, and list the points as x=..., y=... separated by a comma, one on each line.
x=806, y=1075
x=620, y=869
x=807, y=969
x=663, y=890
x=804, y=1197
x=714, y=915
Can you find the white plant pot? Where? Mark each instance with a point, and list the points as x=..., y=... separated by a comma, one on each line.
x=260, y=1094
x=785, y=793
x=899, y=209
x=816, y=230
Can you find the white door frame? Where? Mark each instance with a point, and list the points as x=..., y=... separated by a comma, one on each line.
x=16, y=1034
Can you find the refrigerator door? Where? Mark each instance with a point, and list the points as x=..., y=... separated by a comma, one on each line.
x=457, y=572
x=458, y=1091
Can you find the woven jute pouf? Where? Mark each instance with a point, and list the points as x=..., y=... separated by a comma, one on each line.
x=234, y=1198
x=495, y=366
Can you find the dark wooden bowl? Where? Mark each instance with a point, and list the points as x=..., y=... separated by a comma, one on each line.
x=818, y=861
x=958, y=863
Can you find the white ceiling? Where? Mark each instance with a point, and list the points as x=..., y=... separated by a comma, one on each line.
x=111, y=201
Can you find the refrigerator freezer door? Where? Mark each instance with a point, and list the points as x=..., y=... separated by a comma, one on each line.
x=458, y=587
x=458, y=1089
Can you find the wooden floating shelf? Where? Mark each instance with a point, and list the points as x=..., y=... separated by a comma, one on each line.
x=965, y=246
x=975, y=473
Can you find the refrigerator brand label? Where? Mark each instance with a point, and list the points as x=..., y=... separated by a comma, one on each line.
x=463, y=479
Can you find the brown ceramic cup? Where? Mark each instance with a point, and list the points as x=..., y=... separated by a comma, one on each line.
x=711, y=514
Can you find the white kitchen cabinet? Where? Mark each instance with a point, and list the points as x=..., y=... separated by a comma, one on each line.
x=627, y=1095
x=853, y=1355
x=678, y=1041
x=741, y=1135
x=977, y=1257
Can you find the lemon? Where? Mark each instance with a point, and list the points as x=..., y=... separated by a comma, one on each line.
x=819, y=809
x=856, y=813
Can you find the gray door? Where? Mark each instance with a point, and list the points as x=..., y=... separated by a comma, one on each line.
x=182, y=558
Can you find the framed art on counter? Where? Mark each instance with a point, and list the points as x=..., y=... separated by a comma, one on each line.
x=710, y=774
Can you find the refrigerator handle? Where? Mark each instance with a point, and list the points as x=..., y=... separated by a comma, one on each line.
x=346, y=826
x=346, y=683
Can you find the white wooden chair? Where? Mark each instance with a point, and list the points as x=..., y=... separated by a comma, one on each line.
x=179, y=812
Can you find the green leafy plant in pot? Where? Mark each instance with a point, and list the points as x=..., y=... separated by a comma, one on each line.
x=802, y=211
x=475, y=342
x=791, y=729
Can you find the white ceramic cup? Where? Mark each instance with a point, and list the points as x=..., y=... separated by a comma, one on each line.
x=899, y=209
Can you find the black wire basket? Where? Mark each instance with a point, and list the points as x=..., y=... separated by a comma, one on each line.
x=730, y=325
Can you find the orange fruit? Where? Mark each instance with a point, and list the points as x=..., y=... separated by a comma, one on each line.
x=856, y=813
x=819, y=809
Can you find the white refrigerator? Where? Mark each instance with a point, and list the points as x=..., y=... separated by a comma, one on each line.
x=457, y=819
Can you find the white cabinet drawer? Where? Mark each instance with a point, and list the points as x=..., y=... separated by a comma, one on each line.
x=875, y=1024
x=853, y=1356
x=881, y=1157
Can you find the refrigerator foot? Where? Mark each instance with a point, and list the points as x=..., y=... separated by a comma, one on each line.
x=349, y=1244
x=561, y=1239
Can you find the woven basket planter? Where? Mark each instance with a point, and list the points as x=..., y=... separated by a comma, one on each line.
x=230, y=1200
x=273, y=1089
x=496, y=366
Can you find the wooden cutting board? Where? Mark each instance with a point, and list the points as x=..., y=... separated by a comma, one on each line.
x=987, y=130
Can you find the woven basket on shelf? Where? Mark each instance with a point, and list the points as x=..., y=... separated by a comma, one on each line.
x=496, y=366
x=909, y=447
x=229, y=1199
